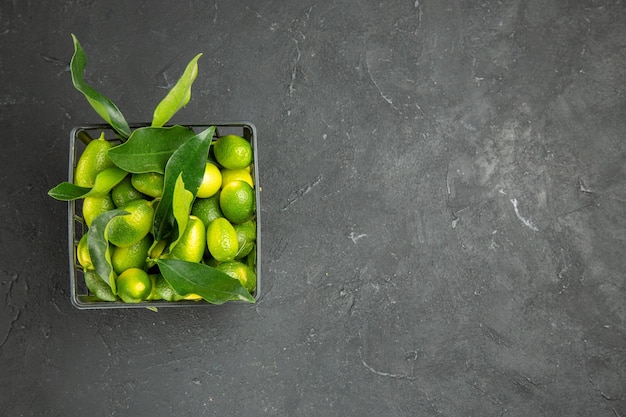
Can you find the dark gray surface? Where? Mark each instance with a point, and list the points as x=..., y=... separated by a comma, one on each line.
x=443, y=194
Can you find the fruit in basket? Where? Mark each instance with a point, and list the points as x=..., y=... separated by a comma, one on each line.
x=207, y=209
x=98, y=287
x=95, y=206
x=246, y=238
x=148, y=183
x=93, y=160
x=124, y=193
x=126, y=230
x=82, y=253
x=211, y=181
x=240, y=271
x=154, y=294
x=233, y=152
x=222, y=240
x=192, y=243
x=165, y=291
x=237, y=201
x=242, y=174
x=134, y=285
x=133, y=256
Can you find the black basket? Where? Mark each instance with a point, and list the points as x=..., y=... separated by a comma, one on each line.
x=79, y=137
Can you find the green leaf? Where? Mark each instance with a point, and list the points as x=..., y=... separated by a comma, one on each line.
x=214, y=286
x=178, y=96
x=99, y=246
x=105, y=181
x=181, y=207
x=149, y=148
x=66, y=191
x=102, y=105
x=190, y=161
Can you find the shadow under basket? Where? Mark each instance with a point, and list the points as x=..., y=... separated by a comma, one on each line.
x=80, y=136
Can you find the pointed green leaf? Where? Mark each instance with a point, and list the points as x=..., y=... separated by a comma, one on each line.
x=105, y=181
x=190, y=161
x=214, y=286
x=178, y=96
x=102, y=105
x=149, y=148
x=181, y=208
x=99, y=246
x=66, y=191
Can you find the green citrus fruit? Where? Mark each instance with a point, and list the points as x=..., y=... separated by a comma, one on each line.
x=207, y=209
x=95, y=206
x=165, y=290
x=237, y=201
x=233, y=152
x=251, y=258
x=192, y=297
x=94, y=159
x=240, y=271
x=98, y=287
x=211, y=181
x=133, y=285
x=82, y=253
x=229, y=175
x=191, y=245
x=246, y=237
x=154, y=294
x=222, y=240
x=124, y=192
x=126, y=230
x=148, y=183
x=133, y=256
x=158, y=248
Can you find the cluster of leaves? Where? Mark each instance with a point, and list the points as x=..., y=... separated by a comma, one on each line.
x=175, y=151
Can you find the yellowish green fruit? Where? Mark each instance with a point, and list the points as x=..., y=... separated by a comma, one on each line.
x=246, y=238
x=158, y=248
x=128, y=229
x=237, y=201
x=94, y=159
x=165, y=290
x=95, y=206
x=211, y=181
x=233, y=152
x=243, y=174
x=133, y=285
x=222, y=240
x=133, y=256
x=154, y=294
x=98, y=287
x=193, y=297
x=124, y=192
x=251, y=258
x=148, y=183
x=207, y=209
x=240, y=271
x=82, y=254
x=191, y=245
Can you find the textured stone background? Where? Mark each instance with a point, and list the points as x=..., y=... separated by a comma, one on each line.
x=443, y=202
